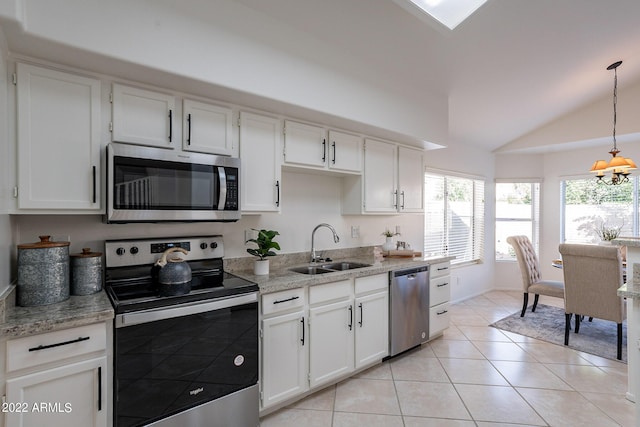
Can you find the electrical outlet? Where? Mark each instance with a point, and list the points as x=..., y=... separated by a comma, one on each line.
x=249, y=234
x=355, y=231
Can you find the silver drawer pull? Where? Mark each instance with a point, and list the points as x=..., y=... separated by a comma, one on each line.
x=442, y=284
x=442, y=312
x=44, y=347
x=285, y=300
x=442, y=268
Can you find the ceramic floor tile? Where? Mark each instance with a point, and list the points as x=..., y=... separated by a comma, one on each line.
x=517, y=338
x=535, y=375
x=590, y=378
x=603, y=361
x=322, y=400
x=483, y=333
x=424, y=351
x=504, y=351
x=453, y=333
x=297, y=418
x=467, y=319
x=456, y=349
x=468, y=371
x=378, y=372
x=551, y=353
x=412, y=368
x=367, y=396
x=436, y=422
x=616, y=406
x=435, y=400
x=348, y=419
x=497, y=404
x=566, y=408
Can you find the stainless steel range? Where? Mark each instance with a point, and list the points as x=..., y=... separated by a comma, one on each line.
x=182, y=360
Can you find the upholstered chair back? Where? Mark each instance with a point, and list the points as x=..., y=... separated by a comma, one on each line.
x=592, y=276
x=527, y=260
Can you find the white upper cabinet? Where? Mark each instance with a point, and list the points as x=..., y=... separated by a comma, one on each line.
x=304, y=145
x=207, y=128
x=260, y=148
x=392, y=182
x=410, y=180
x=58, y=137
x=143, y=117
x=345, y=152
x=312, y=147
x=380, y=185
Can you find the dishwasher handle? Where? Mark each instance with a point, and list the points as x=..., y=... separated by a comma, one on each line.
x=411, y=271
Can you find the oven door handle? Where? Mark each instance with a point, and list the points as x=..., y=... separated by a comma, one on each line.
x=152, y=315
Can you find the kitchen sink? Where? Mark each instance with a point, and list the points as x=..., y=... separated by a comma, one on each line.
x=328, y=268
x=311, y=270
x=341, y=266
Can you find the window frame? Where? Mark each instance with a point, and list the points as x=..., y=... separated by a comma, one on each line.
x=477, y=218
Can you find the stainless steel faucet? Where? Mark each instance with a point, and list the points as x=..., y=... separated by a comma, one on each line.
x=313, y=234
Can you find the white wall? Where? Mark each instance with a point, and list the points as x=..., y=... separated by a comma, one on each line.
x=307, y=200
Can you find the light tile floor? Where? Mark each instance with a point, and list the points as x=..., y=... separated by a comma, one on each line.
x=474, y=375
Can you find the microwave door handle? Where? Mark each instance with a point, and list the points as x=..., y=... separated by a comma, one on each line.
x=222, y=200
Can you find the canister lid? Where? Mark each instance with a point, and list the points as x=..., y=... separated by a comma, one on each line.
x=86, y=253
x=43, y=244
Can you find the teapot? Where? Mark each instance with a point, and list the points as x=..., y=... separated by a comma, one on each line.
x=174, y=274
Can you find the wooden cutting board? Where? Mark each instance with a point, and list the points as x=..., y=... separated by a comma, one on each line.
x=399, y=253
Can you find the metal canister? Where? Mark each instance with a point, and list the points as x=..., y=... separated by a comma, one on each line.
x=86, y=272
x=43, y=272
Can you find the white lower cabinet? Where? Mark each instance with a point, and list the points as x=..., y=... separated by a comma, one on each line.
x=346, y=329
x=439, y=295
x=70, y=395
x=331, y=343
x=58, y=379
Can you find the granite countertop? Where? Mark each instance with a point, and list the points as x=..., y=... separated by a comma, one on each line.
x=75, y=311
x=281, y=278
x=627, y=241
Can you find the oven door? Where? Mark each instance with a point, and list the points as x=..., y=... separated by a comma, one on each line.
x=173, y=365
x=151, y=185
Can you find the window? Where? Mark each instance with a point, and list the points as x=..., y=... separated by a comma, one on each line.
x=517, y=213
x=587, y=206
x=454, y=217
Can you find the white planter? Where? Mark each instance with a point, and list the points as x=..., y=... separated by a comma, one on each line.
x=261, y=267
x=389, y=245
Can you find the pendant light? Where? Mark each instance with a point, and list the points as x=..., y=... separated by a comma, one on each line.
x=618, y=166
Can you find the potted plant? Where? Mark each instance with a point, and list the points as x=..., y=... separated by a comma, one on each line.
x=607, y=234
x=388, y=244
x=265, y=245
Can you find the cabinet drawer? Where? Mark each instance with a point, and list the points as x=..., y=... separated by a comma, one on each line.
x=378, y=282
x=330, y=291
x=439, y=290
x=439, y=269
x=282, y=301
x=438, y=319
x=53, y=346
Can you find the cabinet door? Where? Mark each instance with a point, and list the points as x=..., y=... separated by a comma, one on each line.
x=372, y=328
x=143, y=117
x=380, y=189
x=58, y=140
x=438, y=319
x=284, y=357
x=207, y=128
x=260, y=145
x=410, y=180
x=305, y=145
x=331, y=341
x=345, y=152
x=71, y=395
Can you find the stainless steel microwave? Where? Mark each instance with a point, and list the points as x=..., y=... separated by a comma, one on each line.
x=147, y=184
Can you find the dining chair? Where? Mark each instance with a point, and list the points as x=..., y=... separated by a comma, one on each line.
x=530, y=270
x=592, y=276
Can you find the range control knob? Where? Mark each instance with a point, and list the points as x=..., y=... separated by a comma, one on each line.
x=203, y=246
x=214, y=245
x=133, y=250
x=121, y=251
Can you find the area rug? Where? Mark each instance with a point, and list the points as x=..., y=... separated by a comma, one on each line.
x=598, y=337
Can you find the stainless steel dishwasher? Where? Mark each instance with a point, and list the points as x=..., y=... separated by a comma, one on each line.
x=408, y=308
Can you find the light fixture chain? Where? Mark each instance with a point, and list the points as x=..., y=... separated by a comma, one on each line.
x=615, y=102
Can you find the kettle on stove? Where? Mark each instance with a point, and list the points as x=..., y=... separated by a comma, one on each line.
x=173, y=274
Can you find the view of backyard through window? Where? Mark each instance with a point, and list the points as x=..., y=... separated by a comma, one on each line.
x=590, y=208
x=517, y=213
